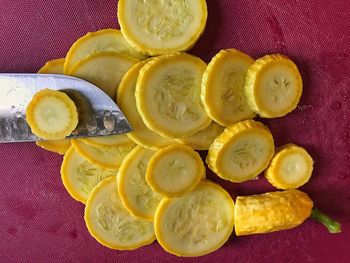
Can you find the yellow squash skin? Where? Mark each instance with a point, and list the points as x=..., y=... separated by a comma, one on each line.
x=269, y=212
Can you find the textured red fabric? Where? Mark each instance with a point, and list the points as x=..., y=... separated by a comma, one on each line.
x=39, y=222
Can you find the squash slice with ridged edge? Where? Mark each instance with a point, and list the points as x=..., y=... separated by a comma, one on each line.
x=168, y=95
x=111, y=224
x=107, y=157
x=273, y=86
x=79, y=176
x=290, y=168
x=94, y=42
x=174, y=170
x=159, y=27
x=127, y=103
x=223, y=87
x=103, y=69
x=51, y=115
x=110, y=140
x=203, y=139
x=196, y=223
x=136, y=195
x=54, y=66
x=242, y=151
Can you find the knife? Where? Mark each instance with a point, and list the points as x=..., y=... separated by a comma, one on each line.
x=98, y=113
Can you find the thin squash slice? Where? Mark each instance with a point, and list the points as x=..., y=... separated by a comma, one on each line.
x=242, y=151
x=107, y=157
x=223, y=87
x=196, y=223
x=168, y=95
x=136, y=195
x=290, y=168
x=51, y=115
x=273, y=86
x=203, y=139
x=270, y=212
x=94, y=42
x=54, y=66
x=127, y=103
x=174, y=170
x=103, y=69
x=79, y=176
x=110, y=140
x=159, y=27
x=111, y=224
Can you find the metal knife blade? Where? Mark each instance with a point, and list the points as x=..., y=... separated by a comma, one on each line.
x=98, y=113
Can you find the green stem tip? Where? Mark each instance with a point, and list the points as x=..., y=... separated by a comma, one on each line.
x=332, y=225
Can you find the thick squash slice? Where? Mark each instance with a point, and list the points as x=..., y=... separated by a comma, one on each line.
x=197, y=223
x=51, y=115
x=159, y=27
x=53, y=67
x=127, y=103
x=110, y=140
x=103, y=69
x=168, y=95
x=111, y=224
x=242, y=151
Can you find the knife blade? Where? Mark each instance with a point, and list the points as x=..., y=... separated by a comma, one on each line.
x=98, y=113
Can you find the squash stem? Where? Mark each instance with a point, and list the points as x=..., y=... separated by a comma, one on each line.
x=332, y=225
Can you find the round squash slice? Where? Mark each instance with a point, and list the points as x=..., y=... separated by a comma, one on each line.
x=197, y=223
x=110, y=140
x=158, y=27
x=111, y=224
x=136, y=194
x=242, y=151
x=103, y=69
x=127, y=103
x=51, y=115
x=94, y=42
x=175, y=170
x=168, y=95
x=223, y=87
x=53, y=67
x=79, y=176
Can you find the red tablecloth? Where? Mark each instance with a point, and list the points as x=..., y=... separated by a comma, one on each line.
x=39, y=222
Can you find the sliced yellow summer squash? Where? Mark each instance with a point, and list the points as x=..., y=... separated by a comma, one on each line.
x=242, y=151
x=203, y=139
x=223, y=87
x=290, y=168
x=110, y=140
x=174, y=170
x=159, y=27
x=270, y=212
x=53, y=67
x=79, y=176
x=168, y=95
x=197, y=223
x=136, y=195
x=103, y=69
x=127, y=103
x=51, y=115
x=94, y=42
x=107, y=157
x=111, y=224
x=273, y=86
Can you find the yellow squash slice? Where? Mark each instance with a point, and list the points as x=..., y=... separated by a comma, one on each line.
x=168, y=95
x=197, y=223
x=53, y=67
x=158, y=27
x=107, y=157
x=110, y=140
x=94, y=42
x=203, y=139
x=290, y=168
x=79, y=176
x=51, y=115
x=242, y=151
x=103, y=69
x=111, y=224
x=273, y=86
x=223, y=87
x=175, y=170
x=270, y=212
x=136, y=194
x=127, y=103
